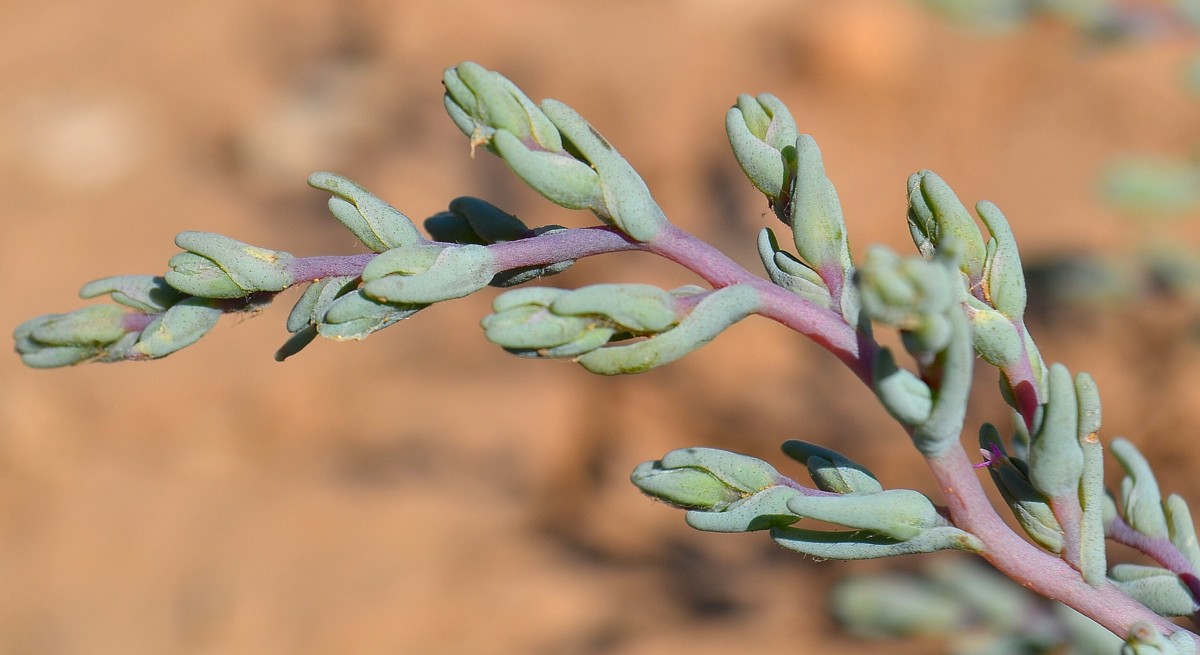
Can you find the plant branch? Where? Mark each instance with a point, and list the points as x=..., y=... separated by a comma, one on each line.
x=310, y=269
x=823, y=326
x=1033, y=568
x=1160, y=549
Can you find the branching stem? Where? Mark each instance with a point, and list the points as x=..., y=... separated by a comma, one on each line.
x=1028, y=565
x=1160, y=549
x=967, y=504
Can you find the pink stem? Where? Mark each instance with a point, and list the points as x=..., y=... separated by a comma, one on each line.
x=1028, y=565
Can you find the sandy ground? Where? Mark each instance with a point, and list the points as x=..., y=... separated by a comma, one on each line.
x=423, y=492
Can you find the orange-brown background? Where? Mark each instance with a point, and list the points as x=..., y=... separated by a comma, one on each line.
x=423, y=492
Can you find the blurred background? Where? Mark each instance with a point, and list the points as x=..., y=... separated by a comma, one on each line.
x=424, y=492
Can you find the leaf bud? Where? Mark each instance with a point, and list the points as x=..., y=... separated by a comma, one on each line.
x=1055, y=456
x=787, y=271
x=532, y=327
x=711, y=316
x=1157, y=588
x=904, y=395
x=900, y=514
x=146, y=293
x=315, y=301
x=183, y=324
x=66, y=339
x=1141, y=501
x=455, y=272
x=815, y=215
x=486, y=99
x=376, y=223
x=216, y=266
x=896, y=605
x=740, y=472
x=449, y=227
x=864, y=544
x=95, y=325
x=935, y=214
x=1003, y=279
x=1144, y=639
x=490, y=223
x=639, y=308
x=559, y=177
x=1182, y=531
x=911, y=294
x=1093, y=552
x=627, y=203
x=994, y=336
x=524, y=324
x=1030, y=507
x=760, y=511
x=685, y=488
x=726, y=492
x=759, y=128
x=727, y=477
x=831, y=470
x=482, y=102
x=356, y=316
x=1088, y=396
